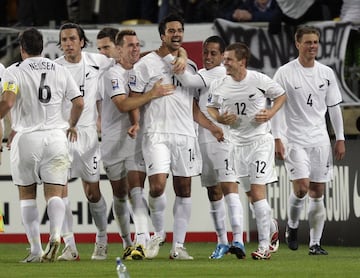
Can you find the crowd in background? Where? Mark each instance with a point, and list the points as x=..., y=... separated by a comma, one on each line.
x=41, y=12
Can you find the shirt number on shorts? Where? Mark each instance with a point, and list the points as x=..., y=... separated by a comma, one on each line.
x=260, y=166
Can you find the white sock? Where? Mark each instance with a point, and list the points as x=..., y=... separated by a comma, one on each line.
x=98, y=212
x=236, y=215
x=218, y=215
x=316, y=215
x=122, y=218
x=182, y=214
x=56, y=214
x=157, y=207
x=31, y=222
x=295, y=207
x=263, y=218
x=140, y=217
x=67, y=227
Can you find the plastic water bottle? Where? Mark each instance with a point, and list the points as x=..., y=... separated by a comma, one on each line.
x=121, y=269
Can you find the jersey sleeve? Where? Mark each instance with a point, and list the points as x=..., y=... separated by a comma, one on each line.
x=72, y=89
x=214, y=100
x=9, y=81
x=114, y=83
x=333, y=96
x=139, y=78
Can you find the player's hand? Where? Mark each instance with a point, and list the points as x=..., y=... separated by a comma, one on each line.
x=279, y=149
x=339, y=149
x=263, y=116
x=10, y=139
x=71, y=134
x=227, y=118
x=132, y=131
x=160, y=90
x=218, y=133
x=179, y=65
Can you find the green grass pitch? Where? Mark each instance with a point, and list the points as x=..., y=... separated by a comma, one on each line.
x=341, y=262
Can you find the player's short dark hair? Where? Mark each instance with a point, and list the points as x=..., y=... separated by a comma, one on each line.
x=216, y=39
x=107, y=32
x=304, y=30
x=120, y=36
x=79, y=30
x=31, y=41
x=169, y=18
x=242, y=51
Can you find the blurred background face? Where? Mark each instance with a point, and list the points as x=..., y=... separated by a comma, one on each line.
x=130, y=49
x=262, y=3
x=107, y=47
x=71, y=44
x=212, y=57
x=174, y=34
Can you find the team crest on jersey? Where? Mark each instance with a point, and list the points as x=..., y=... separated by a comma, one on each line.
x=209, y=97
x=115, y=84
x=132, y=79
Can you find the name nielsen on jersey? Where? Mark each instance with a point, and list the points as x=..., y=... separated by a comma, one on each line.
x=42, y=66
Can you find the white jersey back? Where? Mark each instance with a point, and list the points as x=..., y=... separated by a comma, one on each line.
x=205, y=135
x=309, y=92
x=43, y=86
x=244, y=98
x=87, y=74
x=169, y=114
x=113, y=122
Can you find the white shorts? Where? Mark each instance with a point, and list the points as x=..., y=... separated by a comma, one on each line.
x=85, y=154
x=256, y=160
x=216, y=164
x=40, y=156
x=177, y=153
x=314, y=163
x=119, y=170
x=115, y=149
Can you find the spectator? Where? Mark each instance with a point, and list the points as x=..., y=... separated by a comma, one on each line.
x=294, y=13
x=350, y=11
x=37, y=13
x=256, y=10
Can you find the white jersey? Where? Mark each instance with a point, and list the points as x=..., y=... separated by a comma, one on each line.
x=244, y=98
x=170, y=114
x=309, y=92
x=41, y=86
x=205, y=135
x=87, y=74
x=113, y=122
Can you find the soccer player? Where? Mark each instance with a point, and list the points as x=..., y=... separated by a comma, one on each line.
x=217, y=174
x=213, y=154
x=87, y=70
x=312, y=90
x=35, y=90
x=169, y=141
x=122, y=158
x=239, y=101
x=105, y=42
x=111, y=146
